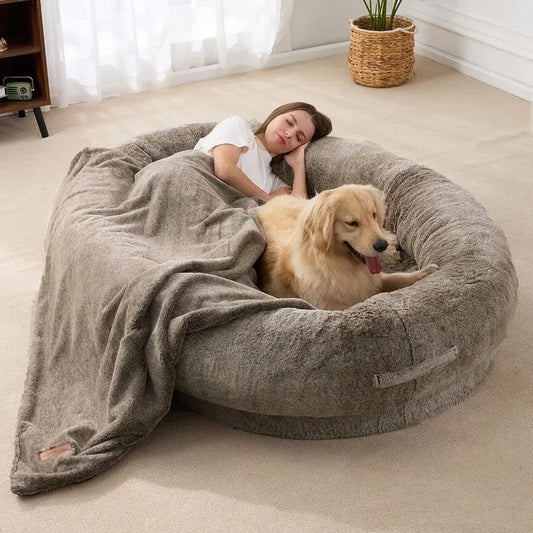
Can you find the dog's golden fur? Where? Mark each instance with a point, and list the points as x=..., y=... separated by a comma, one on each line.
x=307, y=254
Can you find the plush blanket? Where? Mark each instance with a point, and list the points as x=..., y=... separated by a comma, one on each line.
x=140, y=253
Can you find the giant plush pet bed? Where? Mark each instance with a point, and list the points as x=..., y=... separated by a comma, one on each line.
x=149, y=292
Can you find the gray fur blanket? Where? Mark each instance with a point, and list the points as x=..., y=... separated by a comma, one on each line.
x=139, y=254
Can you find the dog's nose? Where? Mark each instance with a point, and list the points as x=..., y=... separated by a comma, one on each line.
x=381, y=245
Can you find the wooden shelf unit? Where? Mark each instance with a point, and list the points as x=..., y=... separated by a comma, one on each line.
x=21, y=26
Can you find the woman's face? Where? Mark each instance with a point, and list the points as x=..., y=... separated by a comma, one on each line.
x=288, y=131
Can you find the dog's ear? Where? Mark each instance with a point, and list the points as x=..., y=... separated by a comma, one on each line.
x=317, y=221
x=379, y=203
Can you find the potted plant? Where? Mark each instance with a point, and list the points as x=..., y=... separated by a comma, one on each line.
x=381, y=46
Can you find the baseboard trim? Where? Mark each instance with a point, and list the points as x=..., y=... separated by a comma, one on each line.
x=484, y=50
x=307, y=54
x=475, y=71
x=275, y=60
x=316, y=52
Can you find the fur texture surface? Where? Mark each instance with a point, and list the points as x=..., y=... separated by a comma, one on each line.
x=327, y=250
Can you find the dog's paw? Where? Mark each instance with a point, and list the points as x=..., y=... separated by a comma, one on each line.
x=430, y=269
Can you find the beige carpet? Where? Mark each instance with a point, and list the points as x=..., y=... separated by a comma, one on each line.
x=467, y=470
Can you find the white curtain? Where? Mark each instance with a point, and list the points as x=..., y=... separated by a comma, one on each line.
x=101, y=48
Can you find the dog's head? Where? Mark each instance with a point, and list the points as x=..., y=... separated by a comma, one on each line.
x=348, y=219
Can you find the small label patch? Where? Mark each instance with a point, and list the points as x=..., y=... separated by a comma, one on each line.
x=54, y=452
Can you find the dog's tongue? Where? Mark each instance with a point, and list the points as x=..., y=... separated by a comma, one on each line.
x=373, y=264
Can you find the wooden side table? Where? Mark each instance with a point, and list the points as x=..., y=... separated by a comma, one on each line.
x=22, y=27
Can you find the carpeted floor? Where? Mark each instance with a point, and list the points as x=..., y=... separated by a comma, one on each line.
x=466, y=470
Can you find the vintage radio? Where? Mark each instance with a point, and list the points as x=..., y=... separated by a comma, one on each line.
x=19, y=87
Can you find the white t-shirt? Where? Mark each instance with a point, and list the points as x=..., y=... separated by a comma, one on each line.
x=253, y=161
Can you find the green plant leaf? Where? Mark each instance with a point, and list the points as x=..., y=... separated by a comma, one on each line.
x=377, y=14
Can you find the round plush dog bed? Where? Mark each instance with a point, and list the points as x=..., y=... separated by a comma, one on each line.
x=149, y=293
x=387, y=362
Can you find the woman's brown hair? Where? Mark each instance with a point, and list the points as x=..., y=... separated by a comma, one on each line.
x=321, y=122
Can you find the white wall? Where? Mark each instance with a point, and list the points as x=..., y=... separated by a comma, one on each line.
x=488, y=40
x=322, y=22
x=317, y=28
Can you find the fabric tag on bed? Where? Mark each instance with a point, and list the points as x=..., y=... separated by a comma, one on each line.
x=54, y=452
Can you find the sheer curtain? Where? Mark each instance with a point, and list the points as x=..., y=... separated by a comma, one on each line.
x=101, y=48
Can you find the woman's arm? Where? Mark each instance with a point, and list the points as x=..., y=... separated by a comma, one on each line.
x=226, y=157
x=296, y=160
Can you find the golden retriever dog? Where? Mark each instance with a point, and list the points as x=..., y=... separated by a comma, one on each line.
x=326, y=250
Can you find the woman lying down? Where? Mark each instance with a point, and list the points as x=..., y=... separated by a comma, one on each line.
x=242, y=157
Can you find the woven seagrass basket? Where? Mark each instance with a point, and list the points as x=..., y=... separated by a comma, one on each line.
x=381, y=58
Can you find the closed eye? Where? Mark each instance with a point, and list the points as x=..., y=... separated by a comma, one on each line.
x=300, y=137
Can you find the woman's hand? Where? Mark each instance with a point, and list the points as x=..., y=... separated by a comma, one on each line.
x=281, y=191
x=296, y=158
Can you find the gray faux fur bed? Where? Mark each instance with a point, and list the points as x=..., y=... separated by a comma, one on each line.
x=149, y=287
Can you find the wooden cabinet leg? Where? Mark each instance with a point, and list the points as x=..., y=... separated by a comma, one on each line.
x=22, y=113
x=40, y=121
